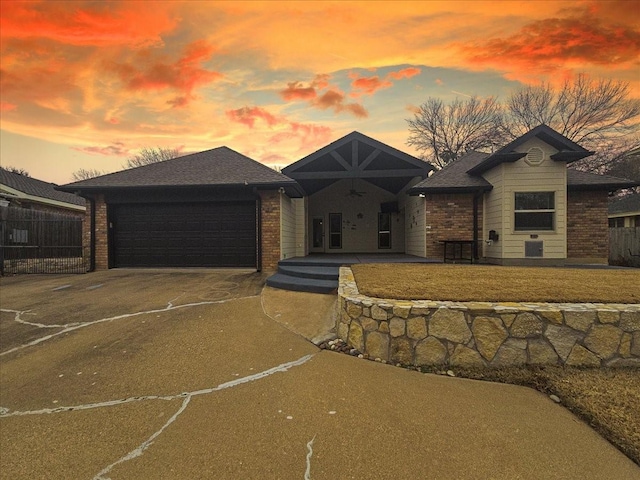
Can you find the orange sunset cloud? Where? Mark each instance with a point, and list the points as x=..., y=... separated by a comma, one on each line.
x=103, y=79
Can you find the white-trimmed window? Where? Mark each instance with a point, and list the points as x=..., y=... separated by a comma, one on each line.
x=534, y=211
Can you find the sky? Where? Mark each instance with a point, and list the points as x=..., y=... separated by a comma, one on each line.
x=88, y=84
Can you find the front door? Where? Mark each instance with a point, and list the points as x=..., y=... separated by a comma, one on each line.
x=317, y=235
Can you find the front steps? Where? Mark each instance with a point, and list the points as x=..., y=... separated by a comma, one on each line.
x=305, y=278
x=319, y=273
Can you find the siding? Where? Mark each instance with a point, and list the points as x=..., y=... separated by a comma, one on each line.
x=493, y=217
x=550, y=176
x=415, y=221
x=287, y=227
x=300, y=206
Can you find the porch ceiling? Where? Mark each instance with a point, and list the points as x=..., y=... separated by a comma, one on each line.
x=357, y=156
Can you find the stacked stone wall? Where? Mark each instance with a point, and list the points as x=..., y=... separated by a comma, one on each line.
x=487, y=334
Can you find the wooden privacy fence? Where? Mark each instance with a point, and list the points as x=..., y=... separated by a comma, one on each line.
x=624, y=246
x=34, y=241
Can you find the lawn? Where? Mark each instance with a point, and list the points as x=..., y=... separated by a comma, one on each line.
x=488, y=283
x=607, y=399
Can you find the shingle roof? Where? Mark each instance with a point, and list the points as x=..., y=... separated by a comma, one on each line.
x=37, y=188
x=577, y=180
x=454, y=177
x=627, y=204
x=216, y=167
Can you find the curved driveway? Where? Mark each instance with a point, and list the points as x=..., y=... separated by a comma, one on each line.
x=130, y=374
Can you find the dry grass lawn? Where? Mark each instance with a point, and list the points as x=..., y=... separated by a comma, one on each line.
x=488, y=283
x=608, y=400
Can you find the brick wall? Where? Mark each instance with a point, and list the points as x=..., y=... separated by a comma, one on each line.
x=270, y=229
x=451, y=218
x=587, y=225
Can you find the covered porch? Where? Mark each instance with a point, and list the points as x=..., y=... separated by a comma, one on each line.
x=355, y=198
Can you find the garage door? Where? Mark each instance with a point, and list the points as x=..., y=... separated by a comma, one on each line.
x=184, y=235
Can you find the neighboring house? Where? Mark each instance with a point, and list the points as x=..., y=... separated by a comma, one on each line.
x=355, y=195
x=26, y=192
x=625, y=211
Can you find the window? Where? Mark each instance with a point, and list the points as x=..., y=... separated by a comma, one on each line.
x=616, y=222
x=384, y=230
x=335, y=230
x=534, y=211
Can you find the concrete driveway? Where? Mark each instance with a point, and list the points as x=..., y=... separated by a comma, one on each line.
x=132, y=374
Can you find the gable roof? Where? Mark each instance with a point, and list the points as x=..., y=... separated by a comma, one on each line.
x=627, y=205
x=453, y=178
x=568, y=151
x=357, y=156
x=28, y=188
x=216, y=167
x=464, y=174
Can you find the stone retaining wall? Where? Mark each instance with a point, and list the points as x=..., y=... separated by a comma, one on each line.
x=423, y=332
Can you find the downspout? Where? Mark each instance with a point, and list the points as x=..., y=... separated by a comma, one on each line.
x=476, y=196
x=258, y=230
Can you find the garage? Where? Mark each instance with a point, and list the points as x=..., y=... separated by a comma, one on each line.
x=220, y=234
x=216, y=208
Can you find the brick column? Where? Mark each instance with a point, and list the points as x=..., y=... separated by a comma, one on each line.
x=101, y=231
x=270, y=229
x=588, y=226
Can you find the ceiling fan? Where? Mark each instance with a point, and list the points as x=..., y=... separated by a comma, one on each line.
x=353, y=192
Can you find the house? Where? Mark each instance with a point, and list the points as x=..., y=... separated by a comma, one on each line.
x=26, y=192
x=356, y=195
x=521, y=204
x=625, y=211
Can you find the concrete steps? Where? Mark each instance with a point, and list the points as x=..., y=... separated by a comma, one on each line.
x=305, y=278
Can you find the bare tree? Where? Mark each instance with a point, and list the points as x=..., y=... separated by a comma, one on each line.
x=148, y=155
x=584, y=110
x=597, y=114
x=83, y=174
x=19, y=171
x=444, y=132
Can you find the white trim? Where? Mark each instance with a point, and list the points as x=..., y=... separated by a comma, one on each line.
x=46, y=201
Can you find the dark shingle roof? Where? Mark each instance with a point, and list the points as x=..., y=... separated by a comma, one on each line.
x=577, y=180
x=454, y=177
x=627, y=204
x=37, y=188
x=216, y=167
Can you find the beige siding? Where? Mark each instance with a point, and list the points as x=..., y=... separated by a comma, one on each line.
x=300, y=206
x=415, y=221
x=359, y=216
x=493, y=213
x=509, y=178
x=287, y=227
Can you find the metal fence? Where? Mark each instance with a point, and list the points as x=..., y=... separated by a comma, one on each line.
x=624, y=246
x=34, y=241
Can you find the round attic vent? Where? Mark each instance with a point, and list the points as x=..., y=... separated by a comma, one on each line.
x=535, y=156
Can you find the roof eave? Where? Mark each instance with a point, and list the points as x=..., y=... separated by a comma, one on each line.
x=78, y=190
x=601, y=186
x=495, y=160
x=413, y=191
x=569, y=156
